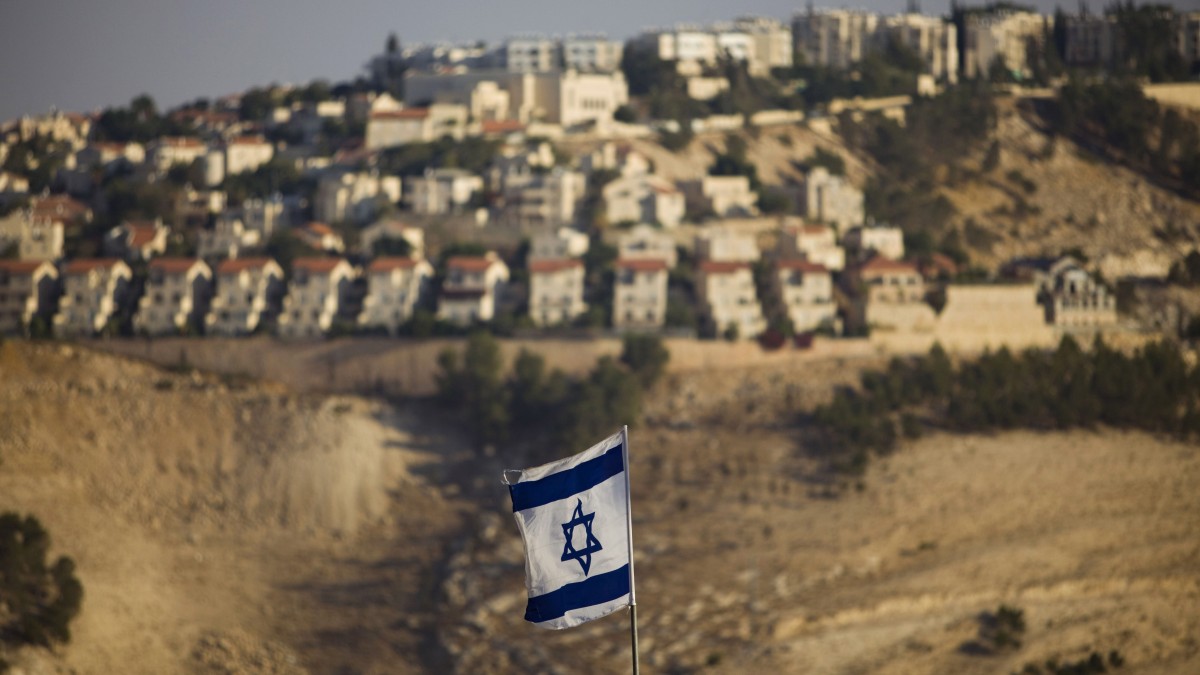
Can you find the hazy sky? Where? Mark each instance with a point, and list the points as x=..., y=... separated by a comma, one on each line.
x=87, y=54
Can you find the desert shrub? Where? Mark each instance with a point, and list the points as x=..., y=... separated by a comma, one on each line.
x=646, y=357
x=37, y=601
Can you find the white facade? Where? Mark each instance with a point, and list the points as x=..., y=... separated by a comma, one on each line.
x=834, y=38
x=723, y=196
x=773, y=44
x=40, y=239
x=644, y=199
x=644, y=242
x=442, y=191
x=531, y=55
x=544, y=199
x=395, y=230
x=390, y=129
x=27, y=290
x=727, y=293
x=885, y=240
x=169, y=151
x=317, y=294
x=471, y=289
x=354, y=197
x=640, y=293
x=723, y=245
x=932, y=38
x=246, y=153
x=592, y=54
x=562, y=242
x=806, y=291
x=247, y=296
x=93, y=291
x=176, y=296
x=394, y=286
x=555, y=291
x=832, y=200
x=1001, y=35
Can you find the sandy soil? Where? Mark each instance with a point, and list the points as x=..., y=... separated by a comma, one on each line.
x=247, y=529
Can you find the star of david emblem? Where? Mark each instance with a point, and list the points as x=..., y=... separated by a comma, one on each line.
x=590, y=545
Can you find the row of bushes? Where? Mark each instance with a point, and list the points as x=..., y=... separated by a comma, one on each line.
x=1152, y=389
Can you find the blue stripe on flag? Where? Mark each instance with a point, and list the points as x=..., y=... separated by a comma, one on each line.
x=598, y=589
x=563, y=484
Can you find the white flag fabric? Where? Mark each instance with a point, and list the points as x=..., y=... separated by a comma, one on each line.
x=573, y=518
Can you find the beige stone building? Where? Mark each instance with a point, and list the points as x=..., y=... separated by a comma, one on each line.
x=562, y=242
x=248, y=296
x=246, y=153
x=1005, y=36
x=720, y=244
x=640, y=293
x=394, y=287
x=544, y=199
x=471, y=290
x=832, y=200
x=94, y=290
x=728, y=298
x=812, y=242
x=556, y=291
x=592, y=54
x=175, y=298
x=806, y=292
x=395, y=230
x=318, y=293
x=644, y=242
x=28, y=289
x=390, y=129
x=836, y=38
x=722, y=196
x=884, y=240
x=888, y=295
x=169, y=151
x=355, y=197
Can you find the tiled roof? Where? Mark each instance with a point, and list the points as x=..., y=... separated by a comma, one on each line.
x=20, y=266
x=85, y=265
x=320, y=229
x=470, y=263
x=248, y=140
x=238, y=264
x=722, y=267
x=316, y=265
x=643, y=264
x=550, y=266
x=801, y=265
x=501, y=126
x=389, y=263
x=141, y=234
x=882, y=264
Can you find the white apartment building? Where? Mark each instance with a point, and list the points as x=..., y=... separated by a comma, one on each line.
x=814, y=243
x=567, y=98
x=394, y=287
x=725, y=245
x=28, y=289
x=544, y=199
x=1004, y=35
x=722, y=196
x=94, y=290
x=168, y=151
x=728, y=297
x=531, y=55
x=884, y=240
x=354, y=197
x=690, y=49
x=932, y=38
x=640, y=293
x=246, y=153
x=644, y=199
x=37, y=238
x=773, y=44
x=415, y=125
x=442, y=191
x=806, y=291
x=247, y=296
x=836, y=38
x=643, y=242
x=471, y=289
x=556, y=291
x=592, y=54
x=318, y=293
x=176, y=297
x=832, y=200
x=562, y=242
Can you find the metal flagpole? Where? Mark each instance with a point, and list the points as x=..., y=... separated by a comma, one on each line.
x=629, y=530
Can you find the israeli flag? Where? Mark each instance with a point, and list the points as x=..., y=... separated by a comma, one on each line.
x=574, y=519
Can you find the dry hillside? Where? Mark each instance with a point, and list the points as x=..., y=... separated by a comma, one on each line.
x=242, y=528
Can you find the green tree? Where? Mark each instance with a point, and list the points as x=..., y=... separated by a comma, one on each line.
x=476, y=388
x=37, y=601
x=646, y=356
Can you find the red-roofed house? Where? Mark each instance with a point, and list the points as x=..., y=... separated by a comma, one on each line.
x=640, y=293
x=28, y=289
x=888, y=294
x=137, y=239
x=319, y=237
x=318, y=293
x=395, y=285
x=249, y=292
x=72, y=212
x=176, y=297
x=726, y=291
x=246, y=153
x=813, y=242
x=471, y=288
x=555, y=291
x=94, y=290
x=806, y=291
x=168, y=151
